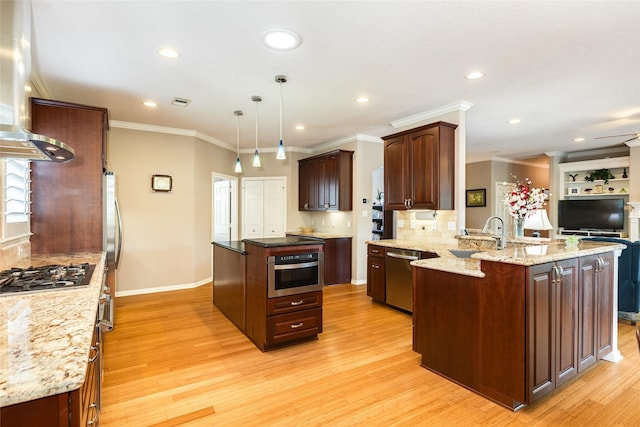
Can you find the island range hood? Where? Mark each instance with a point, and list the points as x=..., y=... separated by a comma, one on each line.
x=16, y=138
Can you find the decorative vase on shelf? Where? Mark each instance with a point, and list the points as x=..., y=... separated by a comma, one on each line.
x=518, y=224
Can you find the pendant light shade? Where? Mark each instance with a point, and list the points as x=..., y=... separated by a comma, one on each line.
x=238, y=168
x=256, y=156
x=281, y=154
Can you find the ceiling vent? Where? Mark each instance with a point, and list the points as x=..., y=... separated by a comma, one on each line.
x=180, y=102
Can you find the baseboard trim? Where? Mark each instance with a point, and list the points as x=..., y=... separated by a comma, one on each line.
x=167, y=288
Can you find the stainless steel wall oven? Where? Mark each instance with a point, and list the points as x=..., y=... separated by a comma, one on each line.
x=295, y=274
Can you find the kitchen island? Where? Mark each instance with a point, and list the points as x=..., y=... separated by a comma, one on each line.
x=272, y=305
x=514, y=324
x=46, y=340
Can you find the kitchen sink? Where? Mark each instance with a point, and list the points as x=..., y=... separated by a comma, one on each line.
x=463, y=253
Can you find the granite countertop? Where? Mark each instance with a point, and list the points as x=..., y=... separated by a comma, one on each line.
x=45, y=337
x=232, y=245
x=317, y=235
x=524, y=252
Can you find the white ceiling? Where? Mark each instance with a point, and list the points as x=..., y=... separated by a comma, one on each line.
x=566, y=68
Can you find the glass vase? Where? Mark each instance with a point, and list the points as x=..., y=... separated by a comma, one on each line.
x=518, y=226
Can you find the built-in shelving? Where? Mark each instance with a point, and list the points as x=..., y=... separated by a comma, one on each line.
x=574, y=185
x=377, y=222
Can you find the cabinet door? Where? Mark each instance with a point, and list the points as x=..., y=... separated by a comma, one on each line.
x=587, y=335
x=566, y=313
x=331, y=182
x=605, y=314
x=423, y=149
x=396, y=173
x=274, y=208
x=321, y=183
x=307, y=186
x=541, y=334
x=252, y=209
x=376, y=278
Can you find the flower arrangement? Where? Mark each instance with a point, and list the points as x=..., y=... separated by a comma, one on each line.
x=524, y=198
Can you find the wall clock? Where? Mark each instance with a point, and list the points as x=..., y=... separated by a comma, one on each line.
x=161, y=183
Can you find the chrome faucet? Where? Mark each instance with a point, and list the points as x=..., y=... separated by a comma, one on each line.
x=501, y=240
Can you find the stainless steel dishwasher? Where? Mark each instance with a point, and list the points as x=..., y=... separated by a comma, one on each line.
x=399, y=278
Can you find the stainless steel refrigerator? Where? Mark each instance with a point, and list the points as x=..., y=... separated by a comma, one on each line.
x=112, y=246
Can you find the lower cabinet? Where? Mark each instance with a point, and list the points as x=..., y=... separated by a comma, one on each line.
x=596, y=309
x=76, y=408
x=552, y=307
x=294, y=317
x=376, y=274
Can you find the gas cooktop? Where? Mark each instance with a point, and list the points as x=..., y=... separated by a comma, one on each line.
x=45, y=278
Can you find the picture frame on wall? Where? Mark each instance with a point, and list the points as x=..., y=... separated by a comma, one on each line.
x=477, y=198
x=162, y=183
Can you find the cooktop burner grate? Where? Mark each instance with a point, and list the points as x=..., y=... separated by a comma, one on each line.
x=44, y=278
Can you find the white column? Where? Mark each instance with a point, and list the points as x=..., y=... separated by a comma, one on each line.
x=615, y=356
x=634, y=221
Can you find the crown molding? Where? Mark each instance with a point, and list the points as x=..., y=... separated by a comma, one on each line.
x=346, y=140
x=520, y=162
x=171, y=131
x=431, y=114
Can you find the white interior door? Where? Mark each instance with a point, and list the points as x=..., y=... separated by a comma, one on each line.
x=224, y=207
x=502, y=189
x=264, y=207
x=252, y=208
x=222, y=210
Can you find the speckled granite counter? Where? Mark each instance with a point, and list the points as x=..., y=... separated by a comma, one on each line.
x=525, y=252
x=45, y=337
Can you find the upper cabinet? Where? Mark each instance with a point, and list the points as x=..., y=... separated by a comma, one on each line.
x=326, y=182
x=67, y=197
x=419, y=168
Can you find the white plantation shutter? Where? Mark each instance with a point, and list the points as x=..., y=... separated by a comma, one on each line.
x=16, y=198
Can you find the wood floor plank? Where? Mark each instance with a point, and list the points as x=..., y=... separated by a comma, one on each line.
x=174, y=359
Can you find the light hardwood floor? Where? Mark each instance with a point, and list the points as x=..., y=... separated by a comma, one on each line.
x=174, y=359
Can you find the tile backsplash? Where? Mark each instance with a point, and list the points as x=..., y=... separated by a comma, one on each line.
x=411, y=227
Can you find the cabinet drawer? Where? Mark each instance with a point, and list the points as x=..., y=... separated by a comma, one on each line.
x=374, y=250
x=291, y=303
x=293, y=326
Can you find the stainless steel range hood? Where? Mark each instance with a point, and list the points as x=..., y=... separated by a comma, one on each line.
x=16, y=138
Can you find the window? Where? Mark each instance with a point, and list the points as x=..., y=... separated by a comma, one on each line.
x=16, y=199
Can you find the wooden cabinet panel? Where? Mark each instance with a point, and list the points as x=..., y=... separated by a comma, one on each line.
x=376, y=273
x=326, y=182
x=553, y=320
x=419, y=168
x=294, y=326
x=337, y=260
x=67, y=197
x=596, y=316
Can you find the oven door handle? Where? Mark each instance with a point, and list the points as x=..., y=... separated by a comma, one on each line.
x=295, y=266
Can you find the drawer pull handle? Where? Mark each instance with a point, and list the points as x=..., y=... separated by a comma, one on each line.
x=297, y=302
x=94, y=406
x=97, y=350
x=297, y=325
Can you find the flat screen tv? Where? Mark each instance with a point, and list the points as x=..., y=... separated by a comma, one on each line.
x=591, y=214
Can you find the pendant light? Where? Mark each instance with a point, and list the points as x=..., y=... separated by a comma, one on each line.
x=256, y=156
x=281, y=155
x=238, y=168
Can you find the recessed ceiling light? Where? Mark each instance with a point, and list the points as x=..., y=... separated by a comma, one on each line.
x=281, y=39
x=167, y=52
x=579, y=139
x=474, y=75
x=299, y=127
x=514, y=121
x=150, y=104
x=362, y=99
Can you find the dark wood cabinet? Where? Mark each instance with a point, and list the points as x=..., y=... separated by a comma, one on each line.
x=595, y=320
x=376, y=273
x=325, y=182
x=552, y=291
x=419, y=168
x=337, y=260
x=77, y=408
x=274, y=322
x=67, y=197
